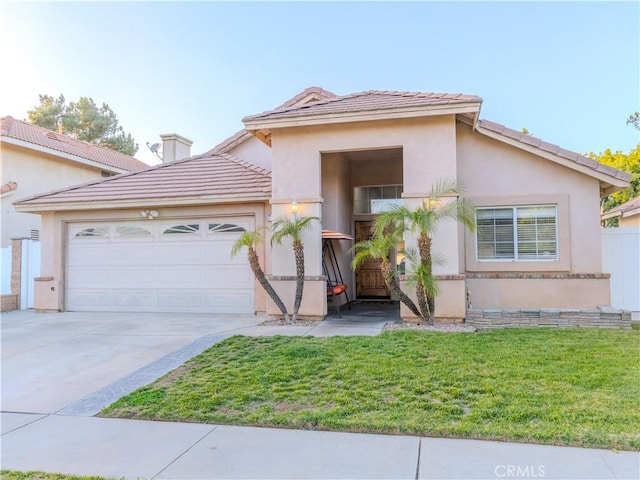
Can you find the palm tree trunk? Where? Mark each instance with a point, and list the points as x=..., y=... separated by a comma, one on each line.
x=298, y=251
x=392, y=284
x=424, y=248
x=254, y=263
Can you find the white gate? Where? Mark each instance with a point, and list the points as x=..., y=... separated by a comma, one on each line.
x=30, y=270
x=5, y=269
x=621, y=258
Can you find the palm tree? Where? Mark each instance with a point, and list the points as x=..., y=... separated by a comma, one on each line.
x=250, y=240
x=424, y=221
x=285, y=227
x=378, y=248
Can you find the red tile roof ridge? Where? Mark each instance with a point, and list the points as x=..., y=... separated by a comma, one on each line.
x=554, y=149
x=230, y=142
x=388, y=93
x=30, y=133
x=307, y=91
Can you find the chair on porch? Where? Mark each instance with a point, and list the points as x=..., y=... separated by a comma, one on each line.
x=331, y=269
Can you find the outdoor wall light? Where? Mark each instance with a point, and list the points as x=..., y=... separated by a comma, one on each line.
x=149, y=214
x=433, y=202
x=294, y=208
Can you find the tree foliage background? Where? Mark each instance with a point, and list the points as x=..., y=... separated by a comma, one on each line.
x=627, y=162
x=83, y=120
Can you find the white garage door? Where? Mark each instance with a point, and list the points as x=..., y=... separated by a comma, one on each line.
x=159, y=266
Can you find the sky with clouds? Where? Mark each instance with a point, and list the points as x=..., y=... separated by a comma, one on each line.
x=567, y=71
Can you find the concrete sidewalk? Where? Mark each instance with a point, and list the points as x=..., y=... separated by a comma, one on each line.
x=141, y=449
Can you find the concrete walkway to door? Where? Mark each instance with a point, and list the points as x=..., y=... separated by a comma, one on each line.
x=58, y=370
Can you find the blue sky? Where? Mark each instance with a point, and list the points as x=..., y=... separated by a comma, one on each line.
x=567, y=71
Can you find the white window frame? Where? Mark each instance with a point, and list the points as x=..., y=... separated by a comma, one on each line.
x=514, y=217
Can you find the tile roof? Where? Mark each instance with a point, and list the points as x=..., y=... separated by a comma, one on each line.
x=243, y=135
x=307, y=92
x=199, y=176
x=8, y=187
x=234, y=140
x=26, y=132
x=370, y=100
x=628, y=206
x=538, y=144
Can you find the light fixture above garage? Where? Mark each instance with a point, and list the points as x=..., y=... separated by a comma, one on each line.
x=149, y=214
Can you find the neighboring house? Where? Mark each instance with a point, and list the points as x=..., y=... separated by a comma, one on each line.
x=159, y=240
x=628, y=213
x=36, y=160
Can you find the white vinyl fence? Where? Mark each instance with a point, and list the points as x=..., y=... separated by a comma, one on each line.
x=5, y=269
x=621, y=258
x=30, y=270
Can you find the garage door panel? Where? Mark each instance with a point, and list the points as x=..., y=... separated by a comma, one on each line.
x=86, y=255
x=227, y=302
x=133, y=254
x=179, y=253
x=114, y=267
x=128, y=300
x=91, y=277
x=130, y=277
x=228, y=277
x=220, y=252
x=90, y=299
x=179, y=277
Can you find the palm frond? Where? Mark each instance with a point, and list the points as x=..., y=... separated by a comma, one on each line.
x=285, y=227
x=247, y=239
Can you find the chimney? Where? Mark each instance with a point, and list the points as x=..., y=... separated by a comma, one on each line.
x=175, y=147
x=60, y=126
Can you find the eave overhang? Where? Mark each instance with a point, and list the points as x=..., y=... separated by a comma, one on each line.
x=262, y=127
x=41, y=207
x=58, y=153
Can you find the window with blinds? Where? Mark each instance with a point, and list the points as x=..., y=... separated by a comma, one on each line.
x=517, y=233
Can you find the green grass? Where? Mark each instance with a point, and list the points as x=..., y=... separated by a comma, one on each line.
x=14, y=475
x=566, y=387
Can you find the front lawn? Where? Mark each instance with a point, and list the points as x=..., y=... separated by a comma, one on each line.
x=566, y=387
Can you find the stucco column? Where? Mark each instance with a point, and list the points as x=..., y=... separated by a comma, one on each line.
x=283, y=267
x=48, y=288
x=427, y=160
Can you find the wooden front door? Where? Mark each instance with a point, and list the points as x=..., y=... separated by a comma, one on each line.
x=369, y=280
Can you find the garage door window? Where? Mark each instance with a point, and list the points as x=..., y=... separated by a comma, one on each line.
x=184, y=229
x=224, y=228
x=93, y=232
x=132, y=231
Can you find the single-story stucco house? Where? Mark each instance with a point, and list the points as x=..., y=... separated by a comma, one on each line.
x=159, y=240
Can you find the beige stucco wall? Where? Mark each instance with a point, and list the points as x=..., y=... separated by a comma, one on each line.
x=49, y=291
x=337, y=215
x=429, y=154
x=630, y=221
x=496, y=174
x=34, y=172
x=254, y=151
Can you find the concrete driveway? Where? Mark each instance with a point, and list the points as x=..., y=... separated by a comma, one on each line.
x=53, y=361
